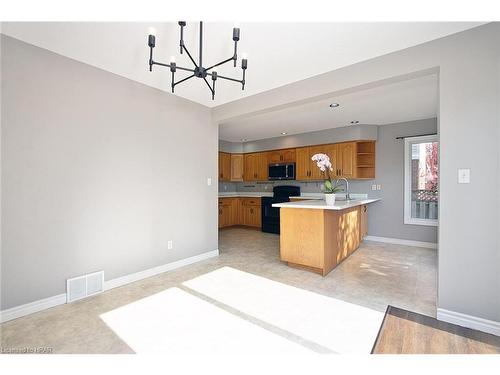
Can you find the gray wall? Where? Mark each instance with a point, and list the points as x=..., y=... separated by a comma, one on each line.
x=92, y=168
x=386, y=217
x=467, y=62
x=233, y=147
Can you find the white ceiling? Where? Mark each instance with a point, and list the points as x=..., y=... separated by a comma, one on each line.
x=409, y=100
x=278, y=53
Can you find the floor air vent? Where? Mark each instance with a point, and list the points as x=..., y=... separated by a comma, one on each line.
x=84, y=286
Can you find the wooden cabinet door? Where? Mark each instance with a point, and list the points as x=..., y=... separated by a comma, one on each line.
x=281, y=156
x=237, y=167
x=251, y=216
x=347, y=159
x=256, y=218
x=262, y=166
x=250, y=167
x=332, y=152
x=235, y=211
x=288, y=156
x=223, y=216
x=316, y=173
x=363, y=225
x=246, y=215
x=274, y=157
x=303, y=163
x=224, y=166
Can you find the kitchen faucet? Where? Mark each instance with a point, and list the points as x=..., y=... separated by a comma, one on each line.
x=346, y=190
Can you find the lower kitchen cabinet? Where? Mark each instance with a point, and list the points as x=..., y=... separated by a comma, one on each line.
x=239, y=211
x=251, y=216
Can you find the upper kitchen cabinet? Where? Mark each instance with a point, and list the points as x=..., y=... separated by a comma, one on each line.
x=343, y=158
x=365, y=160
x=303, y=163
x=237, y=167
x=351, y=160
x=281, y=156
x=306, y=169
x=255, y=166
x=224, y=166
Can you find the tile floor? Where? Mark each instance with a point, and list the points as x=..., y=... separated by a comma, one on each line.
x=374, y=276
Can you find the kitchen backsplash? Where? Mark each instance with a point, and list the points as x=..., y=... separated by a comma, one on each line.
x=355, y=186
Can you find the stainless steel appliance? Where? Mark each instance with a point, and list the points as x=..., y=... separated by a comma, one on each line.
x=270, y=214
x=281, y=171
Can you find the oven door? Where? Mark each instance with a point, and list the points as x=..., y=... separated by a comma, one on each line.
x=271, y=215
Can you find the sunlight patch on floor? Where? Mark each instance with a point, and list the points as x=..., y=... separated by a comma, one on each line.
x=176, y=322
x=334, y=324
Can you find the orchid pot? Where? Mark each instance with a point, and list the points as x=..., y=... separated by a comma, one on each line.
x=330, y=199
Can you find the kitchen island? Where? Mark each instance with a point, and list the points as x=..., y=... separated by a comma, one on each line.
x=317, y=237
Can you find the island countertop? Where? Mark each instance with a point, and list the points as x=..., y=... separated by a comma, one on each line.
x=321, y=204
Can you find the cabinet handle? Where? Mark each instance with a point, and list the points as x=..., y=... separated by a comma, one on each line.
x=364, y=207
x=251, y=210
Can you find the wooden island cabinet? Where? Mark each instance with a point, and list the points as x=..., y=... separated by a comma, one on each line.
x=317, y=237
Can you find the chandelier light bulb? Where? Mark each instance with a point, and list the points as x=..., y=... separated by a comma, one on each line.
x=151, y=31
x=172, y=59
x=244, y=55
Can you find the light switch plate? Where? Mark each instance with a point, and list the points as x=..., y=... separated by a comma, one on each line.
x=379, y=187
x=464, y=176
x=209, y=181
x=374, y=187
x=170, y=245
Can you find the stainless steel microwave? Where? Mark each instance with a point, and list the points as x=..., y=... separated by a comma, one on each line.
x=281, y=171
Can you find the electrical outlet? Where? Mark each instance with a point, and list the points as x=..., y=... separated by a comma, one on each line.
x=374, y=187
x=379, y=187
x=209, y=181
x=170, y=245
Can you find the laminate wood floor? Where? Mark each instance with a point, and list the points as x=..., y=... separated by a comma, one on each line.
x=406, y=332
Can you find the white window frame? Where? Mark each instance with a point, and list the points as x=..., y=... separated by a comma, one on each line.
x=407, y=181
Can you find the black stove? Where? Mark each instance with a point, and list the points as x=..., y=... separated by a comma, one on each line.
x=270, y=214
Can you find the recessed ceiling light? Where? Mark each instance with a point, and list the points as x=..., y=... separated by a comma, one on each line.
x=355, y=122
x=283, y=133
x=334, y=105
x=243, y=139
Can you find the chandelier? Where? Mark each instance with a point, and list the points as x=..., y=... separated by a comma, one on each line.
x=199, y=70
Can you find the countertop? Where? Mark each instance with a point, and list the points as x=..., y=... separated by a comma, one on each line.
x=242, y=194
x=315, y=196
x=321, y=204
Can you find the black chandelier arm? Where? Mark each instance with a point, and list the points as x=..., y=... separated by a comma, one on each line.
x=230, y=79
x=177, y=67
x=208, y=84
x=191, y=57
x=184, y=79
x=222, y=62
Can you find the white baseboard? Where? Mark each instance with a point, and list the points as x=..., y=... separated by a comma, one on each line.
x=399, y=241
x=469, y=321
x=32, y=307
x=60, y=299
x=127, y=279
